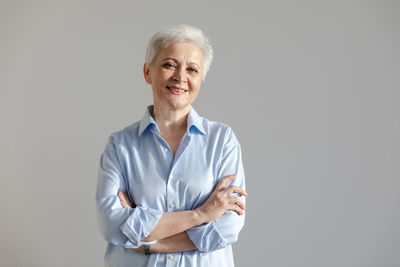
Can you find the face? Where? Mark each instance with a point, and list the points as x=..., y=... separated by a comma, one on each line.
x=175, y=76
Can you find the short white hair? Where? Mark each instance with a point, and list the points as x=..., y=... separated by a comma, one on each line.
x=180, y=34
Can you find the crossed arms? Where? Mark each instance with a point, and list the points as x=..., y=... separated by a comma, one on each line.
x=213, y=225
x=170, y=231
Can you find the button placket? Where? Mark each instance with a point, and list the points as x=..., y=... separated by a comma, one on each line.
x=171, y=191
x=172, y=260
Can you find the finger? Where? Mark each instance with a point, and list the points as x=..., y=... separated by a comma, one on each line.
x=238, y=202
x=124, y=199
x=124, y=196
x=236, y=208
x=120, y=195
x=224, y=181
x=125, y=204
x=235, y=189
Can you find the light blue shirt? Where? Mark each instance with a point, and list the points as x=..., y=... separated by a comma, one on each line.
x=139, y=161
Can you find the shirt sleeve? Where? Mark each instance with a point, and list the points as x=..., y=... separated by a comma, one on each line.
x=225, y=230
x=120, y=226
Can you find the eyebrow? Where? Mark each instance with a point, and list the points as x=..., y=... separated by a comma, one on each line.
x=176, y=61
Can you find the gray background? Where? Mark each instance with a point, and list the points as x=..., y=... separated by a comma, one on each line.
x=311, y=89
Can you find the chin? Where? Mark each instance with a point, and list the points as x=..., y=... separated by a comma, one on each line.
x=178, y=105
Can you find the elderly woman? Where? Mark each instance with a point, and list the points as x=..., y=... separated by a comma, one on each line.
x=170, y=188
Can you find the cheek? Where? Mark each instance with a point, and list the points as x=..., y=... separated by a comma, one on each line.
x=195, y=85
x=165, y=75
x=160, y=79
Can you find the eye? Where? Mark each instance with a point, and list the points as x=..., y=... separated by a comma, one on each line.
x=169, y=65
x=193, y=70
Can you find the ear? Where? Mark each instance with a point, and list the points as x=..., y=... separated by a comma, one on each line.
x=146, y=73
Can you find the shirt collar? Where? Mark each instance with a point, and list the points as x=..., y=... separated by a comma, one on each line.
x=194, y=121
x=147, y=120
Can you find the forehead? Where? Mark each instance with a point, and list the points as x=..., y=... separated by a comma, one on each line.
x=181, y=52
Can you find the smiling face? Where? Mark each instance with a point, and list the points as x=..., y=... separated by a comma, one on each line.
x=175, y=76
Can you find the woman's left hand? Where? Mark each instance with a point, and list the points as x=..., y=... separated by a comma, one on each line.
x=126, y=203
x=124, y=199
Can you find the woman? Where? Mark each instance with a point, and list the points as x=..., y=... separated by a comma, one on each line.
x=163, y=195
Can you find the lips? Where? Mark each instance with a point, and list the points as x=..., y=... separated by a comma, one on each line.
x=176, y=90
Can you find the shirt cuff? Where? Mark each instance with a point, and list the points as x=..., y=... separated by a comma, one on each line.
x=149, y=243
x=206, y=237
x=140, y=224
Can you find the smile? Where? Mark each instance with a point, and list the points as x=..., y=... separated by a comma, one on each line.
x=176, y=91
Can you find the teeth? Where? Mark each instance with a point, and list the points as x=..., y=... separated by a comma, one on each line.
x=176, y=90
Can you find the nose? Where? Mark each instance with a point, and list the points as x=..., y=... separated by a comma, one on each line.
x=180, y=75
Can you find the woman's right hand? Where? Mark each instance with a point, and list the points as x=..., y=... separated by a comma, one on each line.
x=221, y=201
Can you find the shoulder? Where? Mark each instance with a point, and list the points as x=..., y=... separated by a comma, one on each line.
x=220, y=130
x=126, y=135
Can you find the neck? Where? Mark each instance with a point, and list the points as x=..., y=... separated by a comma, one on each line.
x=170, y=120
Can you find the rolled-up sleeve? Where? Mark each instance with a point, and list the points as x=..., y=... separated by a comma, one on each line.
x=120, y=226
x=225, y=230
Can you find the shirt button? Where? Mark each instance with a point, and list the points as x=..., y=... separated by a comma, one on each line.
x=172, y=205
x=165, y=150
x=170, y=257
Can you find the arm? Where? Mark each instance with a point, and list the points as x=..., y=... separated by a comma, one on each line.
x=225, y=230
x=130, y=227
x=176, y=243
x=119, y=226
x=207, y=212
x=179, y=242
x=219, y=202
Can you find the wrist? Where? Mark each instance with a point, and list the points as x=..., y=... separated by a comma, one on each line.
x=158, y=247
x=199, y=216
